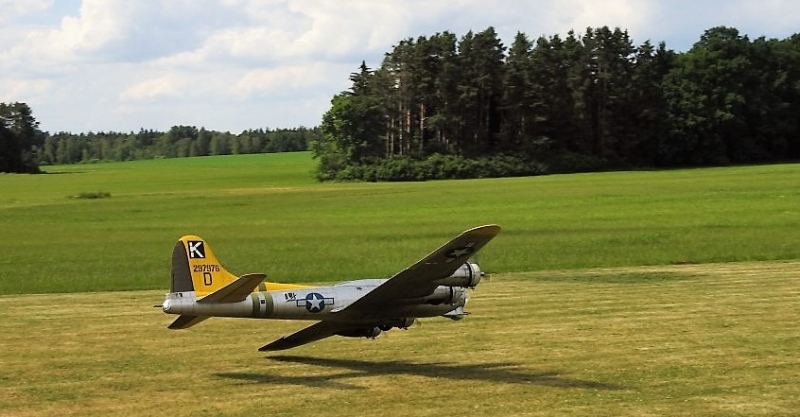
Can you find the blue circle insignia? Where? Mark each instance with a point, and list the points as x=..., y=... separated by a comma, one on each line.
x=315, y=302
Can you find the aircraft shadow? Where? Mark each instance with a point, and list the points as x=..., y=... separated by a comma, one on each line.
x=501, y=372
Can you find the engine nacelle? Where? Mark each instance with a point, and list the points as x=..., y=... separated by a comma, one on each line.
x=368, y=332
x=468, y=275
x=403, y=323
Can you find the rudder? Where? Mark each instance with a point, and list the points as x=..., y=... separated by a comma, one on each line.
x=195, y=268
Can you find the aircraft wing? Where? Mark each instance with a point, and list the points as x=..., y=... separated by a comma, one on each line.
x=316, y=331
x=419, y=280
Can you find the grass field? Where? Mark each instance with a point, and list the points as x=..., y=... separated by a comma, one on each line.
x=688, y=340
x=669, y=293
x=265, y=213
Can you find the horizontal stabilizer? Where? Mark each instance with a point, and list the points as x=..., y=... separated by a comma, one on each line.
x=185, y=321
x=235, y=291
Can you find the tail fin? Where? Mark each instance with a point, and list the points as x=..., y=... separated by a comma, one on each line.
x=195, y=268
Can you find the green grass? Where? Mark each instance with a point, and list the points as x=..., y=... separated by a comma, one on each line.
x=605, y=301
x=265, y=213
x=685, y=340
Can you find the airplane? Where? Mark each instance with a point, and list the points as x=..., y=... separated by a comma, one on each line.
x=434, y=286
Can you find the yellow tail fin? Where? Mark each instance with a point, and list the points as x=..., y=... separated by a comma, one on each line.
x=196, y=268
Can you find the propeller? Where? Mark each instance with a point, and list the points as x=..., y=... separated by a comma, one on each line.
x=474, y=259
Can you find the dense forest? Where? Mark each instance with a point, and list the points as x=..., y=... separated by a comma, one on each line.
x=442, y=107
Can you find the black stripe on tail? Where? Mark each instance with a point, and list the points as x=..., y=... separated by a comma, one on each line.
x=181, y=275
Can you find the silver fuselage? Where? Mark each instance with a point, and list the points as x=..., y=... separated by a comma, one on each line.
x=319, y=303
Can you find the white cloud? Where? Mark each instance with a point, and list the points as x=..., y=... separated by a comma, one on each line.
x=279, y=80
x=237, y=64
x=341, y=27
x=630, y=15
x=96, y=26
x=14, y=9
x=166, y=85
x=306, y=30
x=13, y=88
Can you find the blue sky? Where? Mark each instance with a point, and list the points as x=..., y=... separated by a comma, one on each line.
x=230, y=65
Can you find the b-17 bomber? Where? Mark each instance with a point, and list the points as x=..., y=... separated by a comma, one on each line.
x=436, y=285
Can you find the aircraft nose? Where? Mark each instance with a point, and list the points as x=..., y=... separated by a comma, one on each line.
x=166, y=306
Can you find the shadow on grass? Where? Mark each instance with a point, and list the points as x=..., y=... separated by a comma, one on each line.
x=502, y=372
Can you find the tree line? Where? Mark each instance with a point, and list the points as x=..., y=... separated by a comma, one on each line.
x=23, y=146
x=444, y=107
x=178, y=142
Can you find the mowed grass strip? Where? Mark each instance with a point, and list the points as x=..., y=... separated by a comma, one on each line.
x=688, y=340
x=265, y=213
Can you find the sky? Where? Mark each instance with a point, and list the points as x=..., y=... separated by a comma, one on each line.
x=232, y=65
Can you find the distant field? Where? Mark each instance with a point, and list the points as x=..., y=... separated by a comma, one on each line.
x=266, y=213
x=688, y=340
